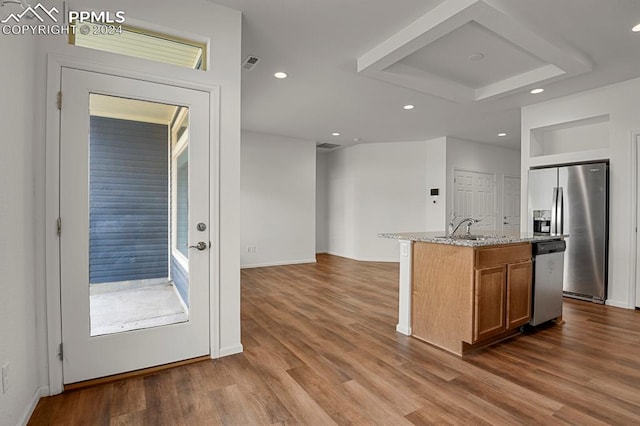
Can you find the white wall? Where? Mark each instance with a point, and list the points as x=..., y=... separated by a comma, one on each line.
x=342, y=207
x=384, y=187
x=278, y=204
x=375, y=188
x=485, y=158
x=436, y=177
x=620, y=102
x=18, y=335
x=322, y=202
x=202, y=19
x=392, y=195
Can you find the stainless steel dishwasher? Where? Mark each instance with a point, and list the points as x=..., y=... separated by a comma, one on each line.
x=548, y=258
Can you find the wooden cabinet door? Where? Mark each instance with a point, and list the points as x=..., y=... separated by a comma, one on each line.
x=519, y=277
x=489, y=312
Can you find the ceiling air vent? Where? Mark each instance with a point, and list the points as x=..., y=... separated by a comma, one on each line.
x=250, y=62
x=327, y=145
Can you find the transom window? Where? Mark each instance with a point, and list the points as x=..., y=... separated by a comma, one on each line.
x=140, y=43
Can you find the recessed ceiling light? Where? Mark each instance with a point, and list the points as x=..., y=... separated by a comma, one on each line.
x=408, y=107
x=502, y=134
x=636, y=28
x=280, y=74
x=536, y=91
x=476, y=56
x=335, y=134
x=356, y=139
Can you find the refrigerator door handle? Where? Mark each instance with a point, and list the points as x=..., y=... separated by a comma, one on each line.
x=560, y=210
x=554, y=212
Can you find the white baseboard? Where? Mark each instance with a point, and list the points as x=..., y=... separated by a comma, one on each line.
x=378, y=259
x=618, y=304
x=282, y=263
x=396, y=259
x=403, y=330
x=26, y=415
x=333, y=253
x=231, y=350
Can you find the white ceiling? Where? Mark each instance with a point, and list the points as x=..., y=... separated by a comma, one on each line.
x=319, y=43
x=444, y=58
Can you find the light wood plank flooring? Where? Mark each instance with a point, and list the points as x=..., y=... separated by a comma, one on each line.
x=321, y=348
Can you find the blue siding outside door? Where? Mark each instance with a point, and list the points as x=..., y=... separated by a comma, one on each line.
x=128, y=200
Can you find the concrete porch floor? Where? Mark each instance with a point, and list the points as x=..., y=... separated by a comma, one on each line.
x=135, y=308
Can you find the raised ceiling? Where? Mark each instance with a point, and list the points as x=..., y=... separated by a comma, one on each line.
x=455, y=25
x=352, y=65
x=496, y=57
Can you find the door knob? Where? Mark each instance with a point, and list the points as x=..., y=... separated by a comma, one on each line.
x=200, y=246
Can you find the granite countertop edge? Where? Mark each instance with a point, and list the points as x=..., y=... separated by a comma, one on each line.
x=492, y=238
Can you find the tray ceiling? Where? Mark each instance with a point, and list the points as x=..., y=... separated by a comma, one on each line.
x=470, y=50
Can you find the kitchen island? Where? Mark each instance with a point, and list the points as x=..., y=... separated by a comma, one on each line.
x=465, y=292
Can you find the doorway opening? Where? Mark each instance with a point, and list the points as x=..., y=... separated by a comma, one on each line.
x=138, y=214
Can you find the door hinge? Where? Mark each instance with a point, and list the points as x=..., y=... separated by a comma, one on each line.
x=60, y=353
x=59, y=100
x=59, y=226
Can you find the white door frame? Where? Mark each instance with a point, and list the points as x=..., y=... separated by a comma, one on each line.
x=55, y=63
x=504, y=178
x=634, y=284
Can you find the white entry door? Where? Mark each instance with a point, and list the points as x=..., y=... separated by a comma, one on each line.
x=511, y=206
x=134, y=197
x=474, y=195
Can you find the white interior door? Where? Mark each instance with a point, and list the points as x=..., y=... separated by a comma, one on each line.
x=511, y=206
x=134, y=195
x=474, y=196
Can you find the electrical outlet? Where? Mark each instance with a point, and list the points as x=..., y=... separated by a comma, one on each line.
x=5, y=378
x=251, y=249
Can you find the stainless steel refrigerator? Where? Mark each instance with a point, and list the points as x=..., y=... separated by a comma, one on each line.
x=574, y=200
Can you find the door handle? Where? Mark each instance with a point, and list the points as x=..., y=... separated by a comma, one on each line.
x=560, y=211
x=554, y=212
x=200, y=246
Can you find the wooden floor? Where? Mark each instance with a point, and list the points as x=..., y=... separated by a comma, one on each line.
x=321, y=348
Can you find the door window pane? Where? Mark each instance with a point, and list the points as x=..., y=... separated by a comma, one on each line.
x=133, y=279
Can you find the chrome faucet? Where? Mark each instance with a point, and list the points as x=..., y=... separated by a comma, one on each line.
x=451, y=224
x=469, y=221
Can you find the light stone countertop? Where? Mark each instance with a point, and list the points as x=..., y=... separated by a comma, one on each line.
x=492, y=238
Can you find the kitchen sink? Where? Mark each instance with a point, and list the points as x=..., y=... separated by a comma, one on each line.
x=472, y=237
x=469, y=237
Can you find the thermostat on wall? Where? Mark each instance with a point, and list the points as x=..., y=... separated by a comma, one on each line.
x=434, y=195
